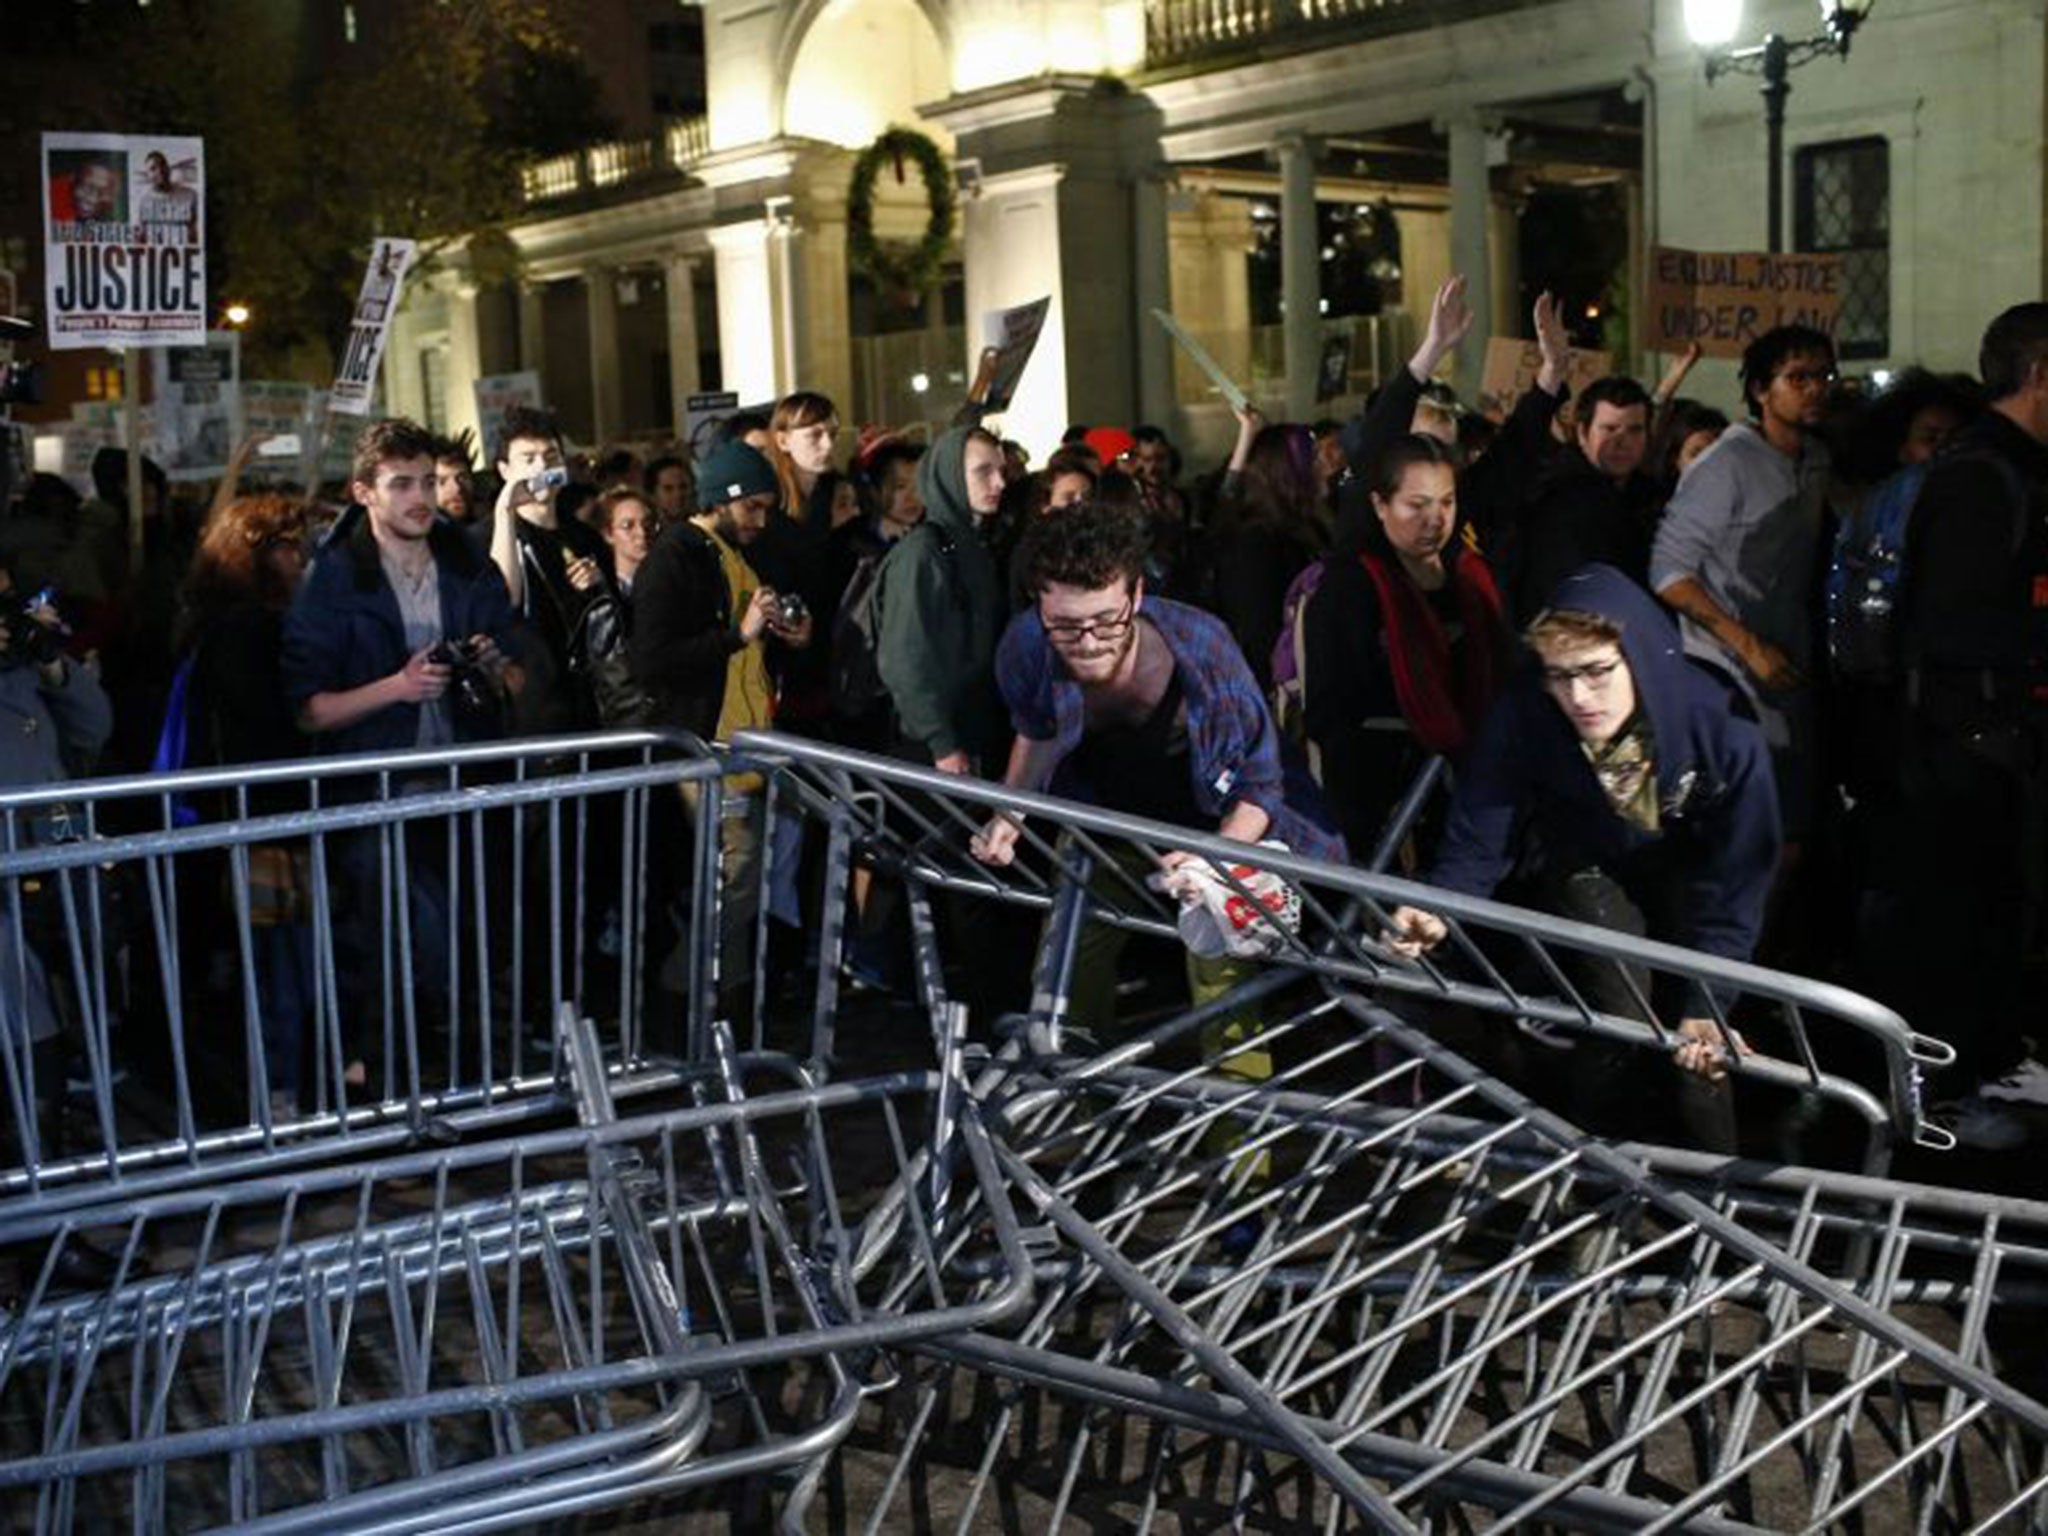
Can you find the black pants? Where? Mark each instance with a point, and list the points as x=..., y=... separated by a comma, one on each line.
x=1621, y=1090
x=1954, y=893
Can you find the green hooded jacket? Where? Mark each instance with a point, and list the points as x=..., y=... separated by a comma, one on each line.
x=940, y=610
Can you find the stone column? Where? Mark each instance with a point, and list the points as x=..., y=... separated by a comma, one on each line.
x=465, y=360
x=747, y=326
x=1301, y=285
x=679, y=281
x=533, y=330
x=1151, y=281
x=602, y=301
x=1471, y=213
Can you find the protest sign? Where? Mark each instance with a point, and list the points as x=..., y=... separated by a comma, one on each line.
x=124, y=240
x=1725, y=300
x=1512, y=366
x=1011, y=334
x=198, y=406
x=497, y=395
x=383, y=279
x=702, y=416
x=274, y=410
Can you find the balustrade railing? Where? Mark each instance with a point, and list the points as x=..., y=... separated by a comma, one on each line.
x=679, y=146
x=1177, y=31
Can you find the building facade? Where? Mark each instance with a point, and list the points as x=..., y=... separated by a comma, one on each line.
x=1291, y=178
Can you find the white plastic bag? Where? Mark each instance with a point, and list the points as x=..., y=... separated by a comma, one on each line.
x=1217, y=920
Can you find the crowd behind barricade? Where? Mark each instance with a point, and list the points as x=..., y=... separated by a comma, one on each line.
x=1773, y=687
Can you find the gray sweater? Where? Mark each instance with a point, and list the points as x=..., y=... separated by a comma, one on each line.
x=1746, y=524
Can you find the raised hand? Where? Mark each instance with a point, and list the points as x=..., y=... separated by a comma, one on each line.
x=1553, y=342
x=1450, y=322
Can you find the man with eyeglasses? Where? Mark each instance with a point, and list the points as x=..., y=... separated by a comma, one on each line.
x=1649, y=807
x=1143, y=706
x=1737, y=553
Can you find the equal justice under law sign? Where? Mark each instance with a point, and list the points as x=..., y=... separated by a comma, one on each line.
x=1725, y=300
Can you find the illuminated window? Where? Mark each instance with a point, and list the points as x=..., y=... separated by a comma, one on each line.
x=1842, y=203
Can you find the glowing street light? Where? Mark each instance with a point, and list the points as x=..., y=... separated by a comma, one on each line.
x=1712, y=25
x=237, y=315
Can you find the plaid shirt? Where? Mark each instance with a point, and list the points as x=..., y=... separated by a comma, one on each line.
x=1233, y=748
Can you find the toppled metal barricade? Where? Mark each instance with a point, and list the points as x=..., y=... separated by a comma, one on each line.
x=488, y=1334
x=1373, y=1287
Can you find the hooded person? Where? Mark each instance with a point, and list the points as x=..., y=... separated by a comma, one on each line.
x=940, y=609
x=1643, y=802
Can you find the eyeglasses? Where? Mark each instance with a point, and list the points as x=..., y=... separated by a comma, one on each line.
x=1074, y=631
x=1598, y=673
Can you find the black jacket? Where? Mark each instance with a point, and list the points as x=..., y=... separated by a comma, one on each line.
x=1973, y=598
x=684, y=632
x=1490, y=492
x=1580, y=517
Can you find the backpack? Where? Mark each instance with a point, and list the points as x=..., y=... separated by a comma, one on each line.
x=174, y=744
x=1867, y=566
x=857, y=687
x=1290, y=662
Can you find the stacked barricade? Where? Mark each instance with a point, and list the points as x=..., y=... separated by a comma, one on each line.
x=538, y=1260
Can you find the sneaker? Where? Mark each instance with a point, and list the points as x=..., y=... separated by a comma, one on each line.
x=2026, y=1083
x=1979, y=1123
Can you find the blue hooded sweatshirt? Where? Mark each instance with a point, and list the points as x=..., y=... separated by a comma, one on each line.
x=1717, y=806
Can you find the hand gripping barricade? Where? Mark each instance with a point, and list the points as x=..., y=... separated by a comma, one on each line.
x=177, y=948
x=486, y=1336
x=1079, y=865
x=1381, y=1290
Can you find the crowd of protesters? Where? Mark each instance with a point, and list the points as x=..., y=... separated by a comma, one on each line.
x=1681, y=688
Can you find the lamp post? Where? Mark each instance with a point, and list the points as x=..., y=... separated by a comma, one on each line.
x=1713, y=24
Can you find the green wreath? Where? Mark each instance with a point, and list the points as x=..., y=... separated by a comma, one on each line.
x=912, y=270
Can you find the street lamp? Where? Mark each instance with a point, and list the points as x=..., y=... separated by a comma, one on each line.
x=1712, y=25
x=237, y=315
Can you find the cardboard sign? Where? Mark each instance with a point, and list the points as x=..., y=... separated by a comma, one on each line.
x=702, y=417
x=498, y=396
x=124, y=240
x=376, y=303
x=1012, y=333
x=1725, y=300
x=1227, y=387
x=198, y=406
x=1512, y=366
x=273, y=409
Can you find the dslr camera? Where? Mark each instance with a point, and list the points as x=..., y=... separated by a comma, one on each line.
x=790, y=609
x=30, y=642
x=474, y=690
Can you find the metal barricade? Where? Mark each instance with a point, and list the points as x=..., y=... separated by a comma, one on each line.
x=488, y=1335
x=419, y=913
x=1079, y=865
x=1383, y=1291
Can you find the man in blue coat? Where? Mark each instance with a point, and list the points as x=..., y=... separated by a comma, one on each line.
x=1647, y=806
x=397, y=639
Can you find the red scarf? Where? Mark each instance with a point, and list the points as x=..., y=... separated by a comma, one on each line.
x=1419, y=651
